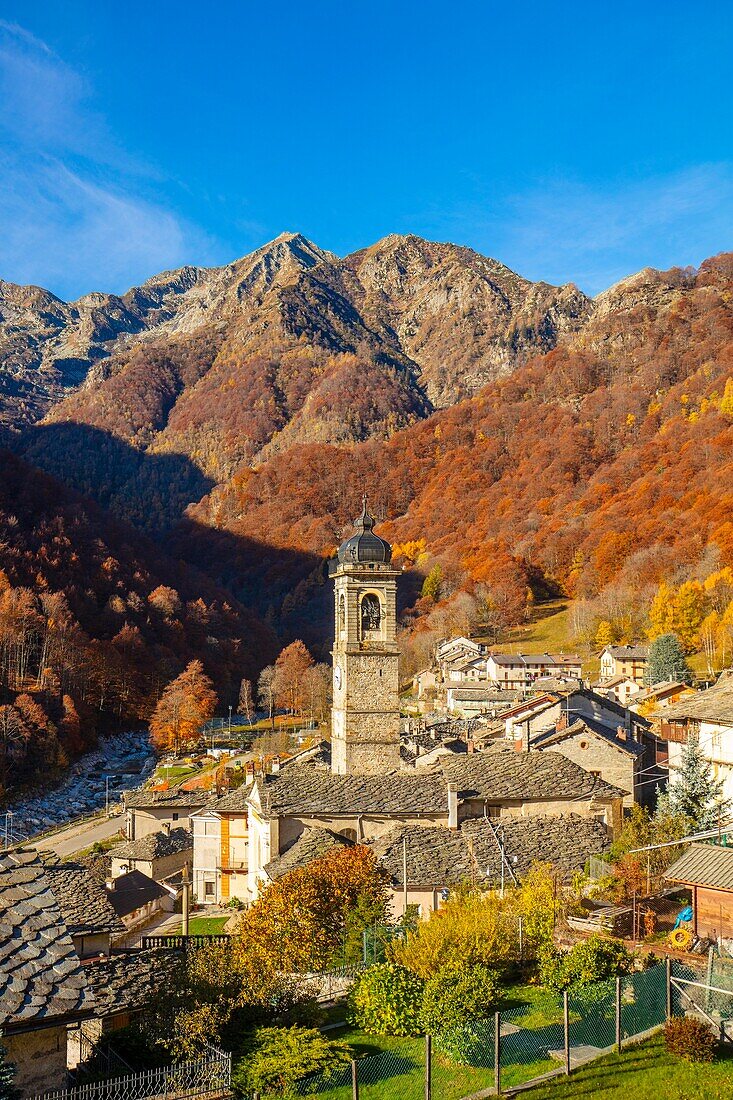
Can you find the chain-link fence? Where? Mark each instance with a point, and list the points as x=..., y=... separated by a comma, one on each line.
x=705, y=991
x=510, y=1047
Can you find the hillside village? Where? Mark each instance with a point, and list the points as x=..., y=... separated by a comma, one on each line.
x=492, y=770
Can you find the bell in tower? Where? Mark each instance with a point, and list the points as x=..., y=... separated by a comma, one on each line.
x=365, y=718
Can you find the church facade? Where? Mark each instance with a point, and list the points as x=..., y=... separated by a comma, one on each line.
x=365, y=719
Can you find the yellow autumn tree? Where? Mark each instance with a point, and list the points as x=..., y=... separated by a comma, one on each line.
x=688, y=612
x=605, y=634
x=661, y=612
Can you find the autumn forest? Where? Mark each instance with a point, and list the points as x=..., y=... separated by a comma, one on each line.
x=517, y=442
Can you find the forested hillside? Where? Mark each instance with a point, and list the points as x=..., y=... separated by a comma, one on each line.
x=94, y=621
x=600, y=468
x=516, y=441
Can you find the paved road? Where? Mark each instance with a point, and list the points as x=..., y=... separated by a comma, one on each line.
x=69, y=841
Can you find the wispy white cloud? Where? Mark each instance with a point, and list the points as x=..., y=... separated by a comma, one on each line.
x=78, y=212
x=566, y=231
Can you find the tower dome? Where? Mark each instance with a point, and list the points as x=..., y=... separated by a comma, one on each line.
x=364, y=546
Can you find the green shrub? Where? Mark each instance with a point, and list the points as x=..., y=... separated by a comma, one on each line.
x=594, y=960
x=279, y=1058
x=454, y=996
x=690, y=1039
x=386, y=1000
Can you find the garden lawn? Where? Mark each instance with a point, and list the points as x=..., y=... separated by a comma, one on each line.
x=203, y=926
x=643, y=1071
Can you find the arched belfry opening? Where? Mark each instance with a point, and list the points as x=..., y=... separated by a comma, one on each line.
x=365, y=718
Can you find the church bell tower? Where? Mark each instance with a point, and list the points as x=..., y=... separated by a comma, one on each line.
x=365, y=718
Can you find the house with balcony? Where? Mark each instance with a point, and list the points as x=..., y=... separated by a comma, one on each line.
x=220, y=844
x=520, y=671
x=707, y=716
x=628, y=661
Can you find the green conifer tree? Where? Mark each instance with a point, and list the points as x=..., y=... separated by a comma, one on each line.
x=8, y=1090
x=667, y=661
x=694, y=793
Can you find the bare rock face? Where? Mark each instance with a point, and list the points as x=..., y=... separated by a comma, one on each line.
x=428, y=323
x=463, y=318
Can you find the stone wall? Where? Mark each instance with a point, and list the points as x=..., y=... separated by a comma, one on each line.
x=597, y=755
x=40, y=1059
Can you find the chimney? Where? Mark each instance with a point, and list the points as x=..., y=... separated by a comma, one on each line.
x=166, y=827
x=110, y=884
x=621, y=733
x=275, y=766
x=562, y=722
x=452, y=805
x=470, y=745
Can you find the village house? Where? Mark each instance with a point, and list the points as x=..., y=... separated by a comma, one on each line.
x=707, y=716
x=472, y=702
x=157, y=855
x=628, y=661
x=148, y=811
x=659, y=696
x=360, y=808
x=453, y=651
x=44, y=988
x=518, y=671
x=220, y=844
x=608, y=753
x=137, y=899
x=621, y=688
x=482, y=852
x=707, y=869
x=85, y=907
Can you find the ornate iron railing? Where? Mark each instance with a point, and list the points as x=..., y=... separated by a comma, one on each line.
x=209, y=1076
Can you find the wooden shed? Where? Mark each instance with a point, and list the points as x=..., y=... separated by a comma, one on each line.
x=707, y=869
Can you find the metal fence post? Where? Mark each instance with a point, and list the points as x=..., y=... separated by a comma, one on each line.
x=566, y=1028
x=618, y=1015
x=354, y=1080
x=668, y=985
x=428, y=1067
x=497, y=1053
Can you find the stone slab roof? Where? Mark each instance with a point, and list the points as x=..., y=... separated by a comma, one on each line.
x=438, y=857
x=130, y=980
x=156, y=845
x=310, y=845
x=502, y=774
x=175, y=799
x=713, y=705
x=133, y=890
x=306, y=790
x=233, y=801
x=41, y=978
x=704, y=865
x=628, y=652
x=592, y=729
x=83, y=900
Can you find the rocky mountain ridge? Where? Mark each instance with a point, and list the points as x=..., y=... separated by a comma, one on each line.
x=445, y=315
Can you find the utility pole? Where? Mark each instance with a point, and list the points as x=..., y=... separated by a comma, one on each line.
x=186, y=901
x=230, y=722
x=404, y=877
x=106, y=796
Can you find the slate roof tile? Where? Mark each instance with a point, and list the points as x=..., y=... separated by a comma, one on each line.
x=156, y=845
x=129, y=980
x=82, y=900
x=502, y=774
x=41, y=976
x=311, y=844
x=438, y=857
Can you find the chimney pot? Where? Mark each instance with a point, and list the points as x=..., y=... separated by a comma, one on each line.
x=452, y=805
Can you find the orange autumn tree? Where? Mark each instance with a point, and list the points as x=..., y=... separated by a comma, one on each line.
x=314, y=916
x=185, y=706
x=290, y=682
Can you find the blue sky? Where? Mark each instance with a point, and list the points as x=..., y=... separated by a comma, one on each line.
x=574, y=142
